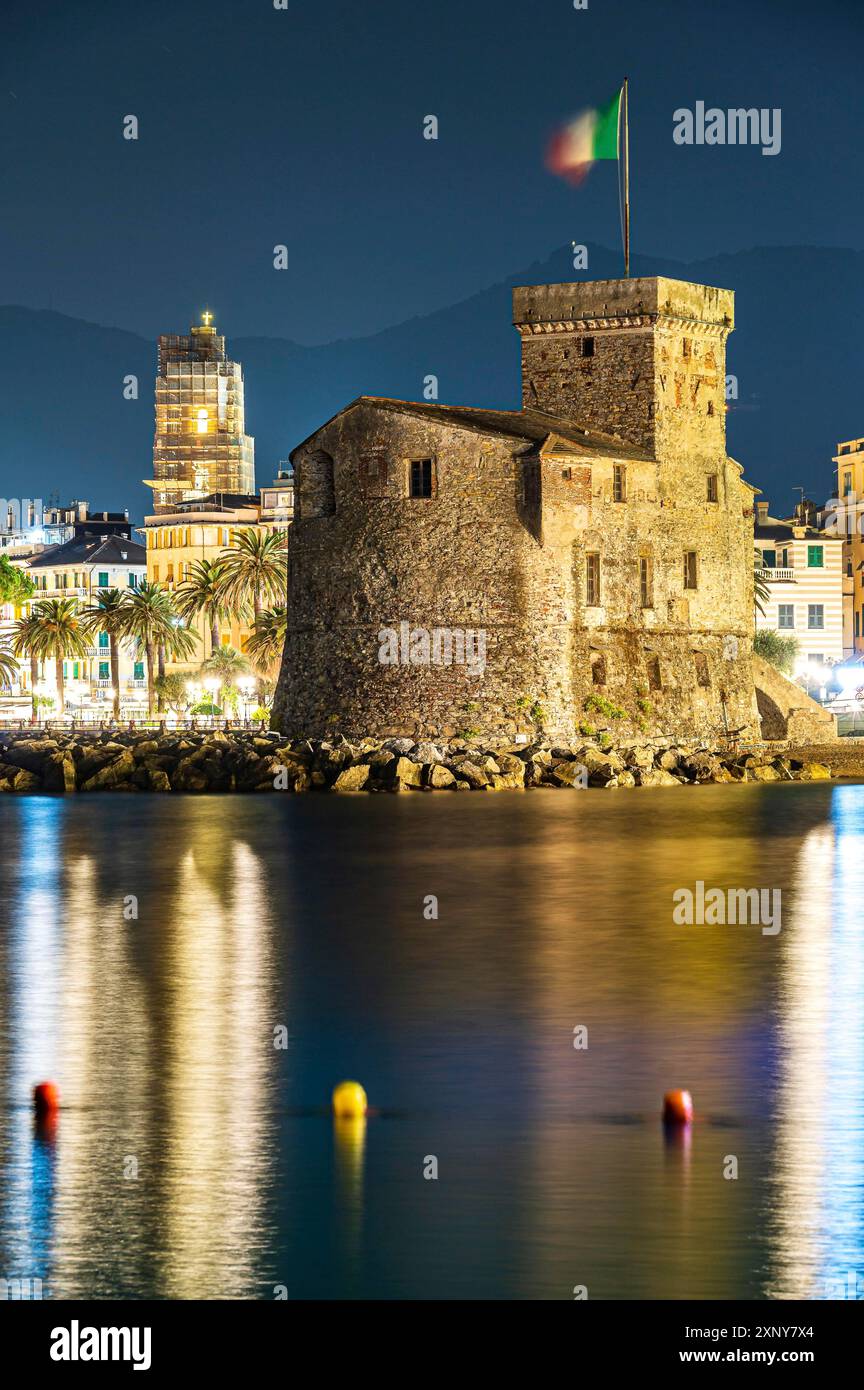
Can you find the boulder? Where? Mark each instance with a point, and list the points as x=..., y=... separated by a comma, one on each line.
x=109, y=774
x=815, y=772
x=656, y=777
x=25, y=781
x=352, y=779
x=473, y=774
x=571, y=774
x=426, y=753
x=440, y=776
x=59, y=773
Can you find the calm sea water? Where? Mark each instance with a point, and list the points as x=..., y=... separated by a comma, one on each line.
x=554, y=912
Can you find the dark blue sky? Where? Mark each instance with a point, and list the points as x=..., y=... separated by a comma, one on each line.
x=303, y=127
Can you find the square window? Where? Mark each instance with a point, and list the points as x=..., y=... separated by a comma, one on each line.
x=785, y=615
x=815, y=615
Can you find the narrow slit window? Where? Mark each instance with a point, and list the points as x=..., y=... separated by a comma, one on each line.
x=646, y=582
x=712, y=487
x=703, y=676
x=619, y=482
x=652, y=666
x=592, y=579
x=690, y=569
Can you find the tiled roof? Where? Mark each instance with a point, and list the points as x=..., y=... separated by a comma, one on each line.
x=90, y=550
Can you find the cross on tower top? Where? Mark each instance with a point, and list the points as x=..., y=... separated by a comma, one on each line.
x=207, y=318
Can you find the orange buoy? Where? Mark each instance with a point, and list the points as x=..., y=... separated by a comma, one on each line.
x=677, y=1108
x=46, y=1098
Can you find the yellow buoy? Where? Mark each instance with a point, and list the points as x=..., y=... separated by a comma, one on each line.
x=349, y=1100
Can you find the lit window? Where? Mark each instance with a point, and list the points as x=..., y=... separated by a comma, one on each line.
x=202, y=421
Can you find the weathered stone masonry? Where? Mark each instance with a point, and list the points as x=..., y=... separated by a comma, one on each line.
x=600, y=537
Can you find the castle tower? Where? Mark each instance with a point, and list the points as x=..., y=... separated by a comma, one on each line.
x=200, y=446
x=642, y=359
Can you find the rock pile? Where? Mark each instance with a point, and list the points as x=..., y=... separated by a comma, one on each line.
x=214, y=761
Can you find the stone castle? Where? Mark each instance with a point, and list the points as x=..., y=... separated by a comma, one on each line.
x=584, y=562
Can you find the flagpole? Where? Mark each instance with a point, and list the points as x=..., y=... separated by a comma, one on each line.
x=625, y=102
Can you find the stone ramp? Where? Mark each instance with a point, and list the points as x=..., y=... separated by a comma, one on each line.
x=786, y=712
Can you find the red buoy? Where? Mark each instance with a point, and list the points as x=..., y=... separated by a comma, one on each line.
x=46, y=1098
x=677, y=1108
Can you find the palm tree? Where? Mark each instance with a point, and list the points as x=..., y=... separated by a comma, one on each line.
x=255, y=570
x=267, y=638
x=8, y=666
x=761, y=587
x=108, y=614
x=52, y=631
x=226, y=664
x=152, y=622
x=24, y=644
x=202, y=591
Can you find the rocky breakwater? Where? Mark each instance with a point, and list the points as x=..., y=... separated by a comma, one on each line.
x=216, y=761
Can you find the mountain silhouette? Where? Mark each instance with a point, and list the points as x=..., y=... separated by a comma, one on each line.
x=68, y=429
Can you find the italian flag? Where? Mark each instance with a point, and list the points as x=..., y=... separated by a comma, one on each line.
x=593, y=135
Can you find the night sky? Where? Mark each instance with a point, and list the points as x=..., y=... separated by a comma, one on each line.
x=304, y=127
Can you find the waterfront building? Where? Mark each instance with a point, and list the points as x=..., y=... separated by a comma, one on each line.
x=804, y=567
x=200, y=446
x=202, y=530
x=78, y=570
x=844, y=514
x=599, y=539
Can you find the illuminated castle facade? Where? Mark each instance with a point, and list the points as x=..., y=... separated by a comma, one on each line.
x=200, y=447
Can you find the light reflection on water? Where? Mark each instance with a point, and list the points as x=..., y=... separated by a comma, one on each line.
x=555, y=910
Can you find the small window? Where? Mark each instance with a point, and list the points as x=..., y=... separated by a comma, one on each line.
x=686, y=347
x=646, y=582
x=710, y=407
x=592, y=579
x=132, y=580
x=104, y=670
x=103, y=579
x=138, y=671
x=769, y=559
x=815, y=658
x=847, y=484
x=155, y=574
x=703, y=676
x=531, y=484
x=421, y=478
x=619, y=482
x=598, y=669
x=815, y=615
x=652, y=667
x=690, y=569
x=103, y=639
x=712, y=487
x=815, y=557
x=786, y=616
x=586, y=347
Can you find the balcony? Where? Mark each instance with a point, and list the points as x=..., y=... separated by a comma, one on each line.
x=779, y=576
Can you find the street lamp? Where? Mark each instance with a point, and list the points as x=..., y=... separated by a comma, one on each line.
x=247, y=685
x=213, y=685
